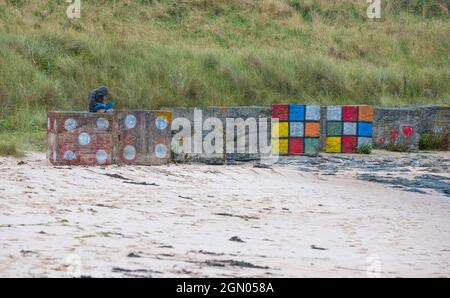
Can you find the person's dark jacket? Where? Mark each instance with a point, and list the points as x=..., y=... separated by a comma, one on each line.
x=96, y=96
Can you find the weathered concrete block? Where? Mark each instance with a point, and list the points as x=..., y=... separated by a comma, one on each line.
x=193, y=130
x=247, y=133
x=79, y=138
x=403, y=126
x=143, y=137
x=347, y=128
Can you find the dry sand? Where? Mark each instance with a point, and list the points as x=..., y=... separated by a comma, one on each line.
x=62, y=221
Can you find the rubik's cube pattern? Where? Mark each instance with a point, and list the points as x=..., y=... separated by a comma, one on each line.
x=347, y=128
x=297, y=130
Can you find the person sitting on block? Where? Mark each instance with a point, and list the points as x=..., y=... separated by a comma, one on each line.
x=97, y=101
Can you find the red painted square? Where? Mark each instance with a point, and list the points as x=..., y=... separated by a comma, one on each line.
x=296, y=146
x=280, y=111
x=350, y=113
x=349, y=144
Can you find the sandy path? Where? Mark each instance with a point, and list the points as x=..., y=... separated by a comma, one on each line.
x=54, y=221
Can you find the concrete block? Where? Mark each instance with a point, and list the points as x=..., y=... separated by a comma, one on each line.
x=298, y=129
x=403, y=126
x=79, y=138
x=195, y=126
x=143, y=137
x=347, y=128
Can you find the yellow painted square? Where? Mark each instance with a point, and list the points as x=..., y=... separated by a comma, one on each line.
x=333, y=145
x=280, y=146
x=280, y=129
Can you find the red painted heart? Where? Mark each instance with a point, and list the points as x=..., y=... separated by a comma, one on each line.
x=382, y=140
x=408, y=130
x=394, y=135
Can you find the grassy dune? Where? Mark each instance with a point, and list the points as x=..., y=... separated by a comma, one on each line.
x=219, y=52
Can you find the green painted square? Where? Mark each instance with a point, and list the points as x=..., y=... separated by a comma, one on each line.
x=311, y=145
x=334, y=128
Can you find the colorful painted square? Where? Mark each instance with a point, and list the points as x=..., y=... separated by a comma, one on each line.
x=280, y=146
x=280, y=129
x=296, y=146
x=312, y=145
x=333, y=144
x=334, y=113
x=349, y=144
x=312, y=129
x=334, y=128
x=350, y=113
x=365, y=113
x=365, y=129
x=312, y=113
x=296, y=112
x=349, y=128
x=280, y=111
x=296, y=129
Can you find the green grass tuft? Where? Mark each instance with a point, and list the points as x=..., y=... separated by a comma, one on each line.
x=397, y=147
x=433, y=141
x=10, y=149
x=364, y=149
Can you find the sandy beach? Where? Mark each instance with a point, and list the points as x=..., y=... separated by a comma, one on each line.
x=337, y=218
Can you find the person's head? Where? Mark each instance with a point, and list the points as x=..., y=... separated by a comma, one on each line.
x=102, y=92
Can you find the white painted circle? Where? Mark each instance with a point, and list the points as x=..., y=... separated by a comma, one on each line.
x=70, y=155
x=161, y=151
x=129, y=152
x=161, y=123
x=70, y=124
x=101, y=156
x=84, y=138
x=130, y=121
x=102, y=123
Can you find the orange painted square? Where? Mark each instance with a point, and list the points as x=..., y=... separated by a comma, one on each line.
x=312, y=129
x=365, y=113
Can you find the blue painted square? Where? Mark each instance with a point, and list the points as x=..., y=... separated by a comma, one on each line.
x=296, y=112
x=312, y=113
x=334, y=113
x=364, y=129
x=296, y=129
x=364, y=141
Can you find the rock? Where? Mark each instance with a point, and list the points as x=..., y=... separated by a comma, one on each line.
x=236, y=239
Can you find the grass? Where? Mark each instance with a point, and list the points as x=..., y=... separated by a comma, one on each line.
x=431, y=141
x=223, y=52
x=364, y=149
x=10, y=149
x=397, y=147
x=24, y=141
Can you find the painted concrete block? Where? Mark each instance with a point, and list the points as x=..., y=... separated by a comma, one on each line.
x=144, y=137
x=402, y=126
x=79, y=138
x=347, y=128
x=297, y=130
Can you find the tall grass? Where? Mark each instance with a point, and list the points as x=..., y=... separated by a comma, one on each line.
x=224, y=52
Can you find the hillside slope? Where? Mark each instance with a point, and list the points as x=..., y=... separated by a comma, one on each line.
x=222, y=52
